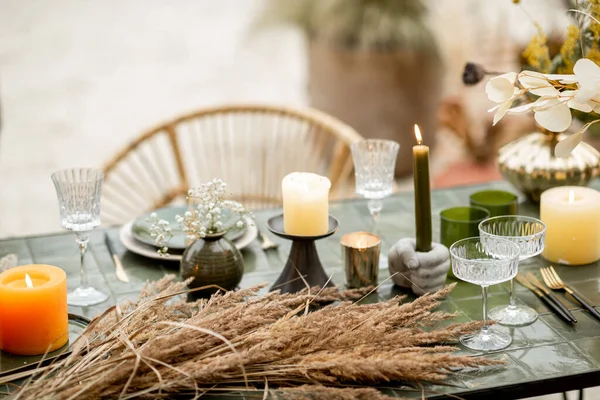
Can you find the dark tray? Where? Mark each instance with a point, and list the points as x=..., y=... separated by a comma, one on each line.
x=11, y=364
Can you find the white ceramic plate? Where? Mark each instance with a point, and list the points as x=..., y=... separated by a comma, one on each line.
x=145, y=250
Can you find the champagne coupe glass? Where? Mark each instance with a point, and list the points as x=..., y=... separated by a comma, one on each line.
x=78, y=191
x=374, y=166
x=528, y=233
x=485, y=261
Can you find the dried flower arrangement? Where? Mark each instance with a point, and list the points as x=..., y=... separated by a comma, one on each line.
x=558, y=88
x=162, y=346
x=213, y=215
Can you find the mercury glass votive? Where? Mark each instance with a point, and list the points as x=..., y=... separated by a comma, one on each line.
x=497, y=202
x=360, y=255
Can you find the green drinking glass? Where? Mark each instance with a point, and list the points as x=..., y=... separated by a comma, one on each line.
x=458, y=223
x=497, y=202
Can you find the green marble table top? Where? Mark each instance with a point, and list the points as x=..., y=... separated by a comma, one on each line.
x=545, y=357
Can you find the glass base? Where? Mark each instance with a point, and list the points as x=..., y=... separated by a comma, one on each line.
x=489, y=341
x=85, y=297
x=513, y=315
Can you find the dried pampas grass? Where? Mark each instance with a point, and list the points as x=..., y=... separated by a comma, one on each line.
x=162, y=346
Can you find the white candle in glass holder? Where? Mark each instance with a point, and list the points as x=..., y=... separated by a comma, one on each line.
x=572, y=218
x=305, y=204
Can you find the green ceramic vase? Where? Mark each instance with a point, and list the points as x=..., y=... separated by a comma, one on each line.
x=212, y=260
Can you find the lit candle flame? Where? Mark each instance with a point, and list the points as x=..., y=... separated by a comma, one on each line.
x=28, y=281
x=418, y=134
x=571, y=196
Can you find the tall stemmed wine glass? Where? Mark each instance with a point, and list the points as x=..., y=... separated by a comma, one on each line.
x=78, y=191
x=485, y=261
x=374, y=166
x=528, y=233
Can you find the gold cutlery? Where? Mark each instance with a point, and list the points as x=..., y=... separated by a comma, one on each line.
x=536, y=282
x=554, y=282
x=265, y=242
x=523, y=281
x=120, y=272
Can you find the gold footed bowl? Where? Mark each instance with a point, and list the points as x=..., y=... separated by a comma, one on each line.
x=530, y=165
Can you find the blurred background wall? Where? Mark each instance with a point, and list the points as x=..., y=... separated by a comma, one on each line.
x=80, y=78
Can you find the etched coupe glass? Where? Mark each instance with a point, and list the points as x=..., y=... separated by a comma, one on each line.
x=528, y=233
x=484, y=262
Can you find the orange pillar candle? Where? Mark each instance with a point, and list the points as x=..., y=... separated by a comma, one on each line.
x=33, y=309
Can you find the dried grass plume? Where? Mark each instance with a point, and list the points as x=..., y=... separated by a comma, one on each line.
x=161, y=346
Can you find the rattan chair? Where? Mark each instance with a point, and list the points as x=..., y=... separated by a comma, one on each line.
x=251, y=147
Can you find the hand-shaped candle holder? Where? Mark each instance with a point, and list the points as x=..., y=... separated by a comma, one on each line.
x=303, y=263
x=423, y=272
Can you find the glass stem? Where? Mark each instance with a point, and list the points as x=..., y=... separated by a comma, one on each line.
x=375, y=206
x=513, y=299
x=484, y=327
x=82, y=239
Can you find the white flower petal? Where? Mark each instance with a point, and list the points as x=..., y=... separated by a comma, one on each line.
x=586, y=70
x=588, y=74
x=525, y=108
x=556, y=118
x=584, y=94
x=585, y=107
x=563, y=78
x=497, y=106
x=501, y=88
x=501, y=111
x=537, y=84
x=567, y=145
x=568, y=93
x=547, y=92
x=571, y=97
x=546, y=103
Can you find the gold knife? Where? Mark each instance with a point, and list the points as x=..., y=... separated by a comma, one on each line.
x=523, y=281
x=536, y=282
x=121, y=275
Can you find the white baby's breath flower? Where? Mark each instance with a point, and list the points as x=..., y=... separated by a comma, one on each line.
x=206, y=218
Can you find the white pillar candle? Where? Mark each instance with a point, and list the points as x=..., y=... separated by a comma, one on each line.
x=572, y=218
x=305, y=204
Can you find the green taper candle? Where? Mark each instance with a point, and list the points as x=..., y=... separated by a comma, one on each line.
x=422, y=193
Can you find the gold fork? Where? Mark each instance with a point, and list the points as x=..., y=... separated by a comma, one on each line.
x=554, y=282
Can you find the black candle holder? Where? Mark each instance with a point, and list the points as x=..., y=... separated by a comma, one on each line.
x=303, y=260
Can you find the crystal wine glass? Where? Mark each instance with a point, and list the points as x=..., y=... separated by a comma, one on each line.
x=485, y=261
x=528, y=233
x=374, y=166
x=78, y=191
